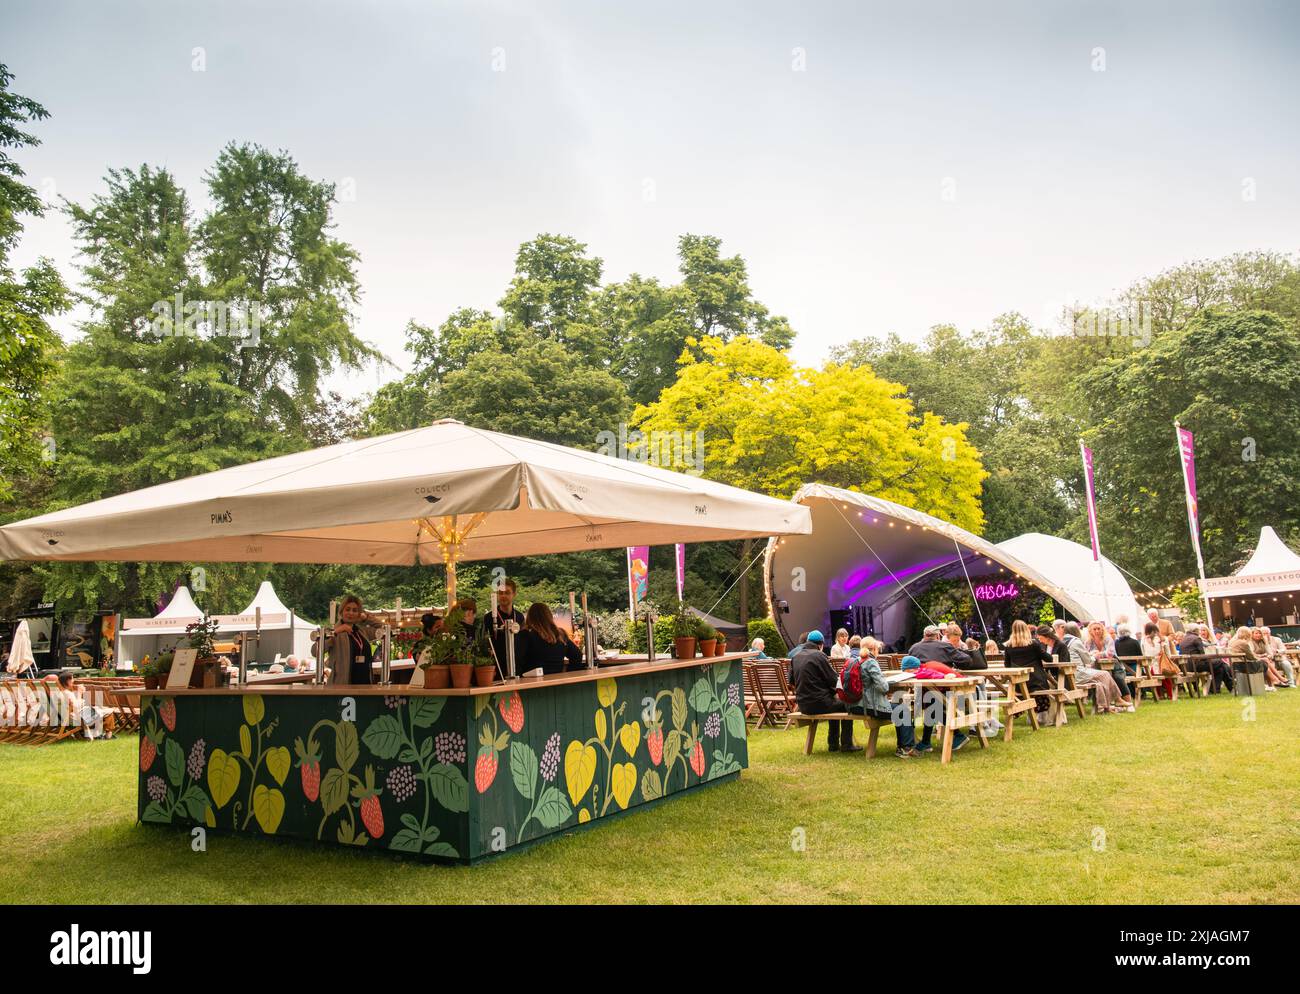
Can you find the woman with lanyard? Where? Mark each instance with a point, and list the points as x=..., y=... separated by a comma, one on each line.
x=360, y=654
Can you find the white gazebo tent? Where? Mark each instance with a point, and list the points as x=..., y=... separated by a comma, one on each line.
x=438, y=494
x=1266, y=588
x=283, y=632
x=139, y=637
x=1098, y=587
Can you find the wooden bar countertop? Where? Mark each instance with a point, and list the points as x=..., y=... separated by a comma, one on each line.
x=605, y=671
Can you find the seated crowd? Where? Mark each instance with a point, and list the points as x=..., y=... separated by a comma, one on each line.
x=1105, y=660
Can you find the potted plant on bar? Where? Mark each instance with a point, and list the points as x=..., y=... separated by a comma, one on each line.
x=485, y=668
x=460, y=654
x=434, y=655
x=149, y=669
x=684, y=633
x=202, y=636
x=707, y=636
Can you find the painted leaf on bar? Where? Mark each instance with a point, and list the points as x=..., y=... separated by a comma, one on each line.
x=425, y=711
x=383, y=736
x=254, y=708
x=333, y=790
x=651, y=786
x=346, y=749
x=175, y=756
x=278, y=761
x=552, y=809
x=702, y=695
x=268, y=806
x=223, y=777
x=523, y=768
x=449, y=786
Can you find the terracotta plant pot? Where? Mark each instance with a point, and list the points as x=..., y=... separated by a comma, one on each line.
x=720, y=648
x=484, y=675
x=684, y=648
x=707, y=646
x=462, y=674
x=437, y=677
x=151, y=683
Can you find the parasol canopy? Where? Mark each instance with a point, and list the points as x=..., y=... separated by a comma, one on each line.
x=436, y=494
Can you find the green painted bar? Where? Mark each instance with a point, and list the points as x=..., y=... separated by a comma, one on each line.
x=449, y=778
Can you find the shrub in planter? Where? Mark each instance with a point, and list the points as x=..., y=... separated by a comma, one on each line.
x=765, y=629
x=685, y=626
x=707, y=637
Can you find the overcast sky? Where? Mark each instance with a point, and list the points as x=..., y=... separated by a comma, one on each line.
x=881, y=166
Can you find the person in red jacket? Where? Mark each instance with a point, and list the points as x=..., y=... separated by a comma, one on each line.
x=932, y=670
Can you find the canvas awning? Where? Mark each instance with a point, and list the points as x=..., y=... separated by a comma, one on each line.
x=436, y=494
x=1272, y=568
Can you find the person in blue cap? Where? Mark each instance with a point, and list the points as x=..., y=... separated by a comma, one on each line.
x=814, y=688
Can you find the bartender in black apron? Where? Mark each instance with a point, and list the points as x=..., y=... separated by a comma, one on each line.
x=506, y=611
x=361, y=654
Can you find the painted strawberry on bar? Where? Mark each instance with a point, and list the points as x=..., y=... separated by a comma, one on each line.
x=485, y=768
x=167, y=711
x=367, y=797
x=308, y=763
x=654, y=740
x=511, y=707
x=150, y=739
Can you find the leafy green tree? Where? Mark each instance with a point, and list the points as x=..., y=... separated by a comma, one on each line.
x=267, y=243
x=537, y=391
x=551, y=292
x=1233, y=379
x=29, y=347
x=157, y=390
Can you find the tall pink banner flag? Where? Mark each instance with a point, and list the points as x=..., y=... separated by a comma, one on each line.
x=1092, y=501
x=1186, y=448
x=638, y=576
x=681, y=570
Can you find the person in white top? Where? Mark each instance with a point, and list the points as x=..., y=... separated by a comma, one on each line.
x=1277, y=651
x=840, y=650
x=1086, y=674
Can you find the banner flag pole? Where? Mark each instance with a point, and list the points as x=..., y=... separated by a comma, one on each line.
x=1187, y=457
x=1091, y=493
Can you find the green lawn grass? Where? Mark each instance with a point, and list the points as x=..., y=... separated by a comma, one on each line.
x=1193, y=801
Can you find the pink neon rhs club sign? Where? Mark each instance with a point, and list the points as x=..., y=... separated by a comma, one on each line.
x=996, y=591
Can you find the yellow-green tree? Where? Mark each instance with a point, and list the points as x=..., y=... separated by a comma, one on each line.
x=769, y=425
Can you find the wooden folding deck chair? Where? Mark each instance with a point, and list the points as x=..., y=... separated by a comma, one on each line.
x=773, y=692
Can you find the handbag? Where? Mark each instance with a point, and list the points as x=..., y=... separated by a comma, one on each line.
x=1165, y=665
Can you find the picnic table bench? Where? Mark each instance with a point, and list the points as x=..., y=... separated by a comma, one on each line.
x=960, y=711
x=1015, y=699
x=1065, y=693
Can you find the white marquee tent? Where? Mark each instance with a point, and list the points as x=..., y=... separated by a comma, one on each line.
x=1266, y=587
x=867, y=553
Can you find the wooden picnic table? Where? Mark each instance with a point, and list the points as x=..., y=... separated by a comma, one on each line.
x=1013, y=682
x=1065, y=693
x=960, y=710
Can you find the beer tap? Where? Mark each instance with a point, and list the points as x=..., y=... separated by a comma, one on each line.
x=588, y=635
x=386, y=661
x=244, y=639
